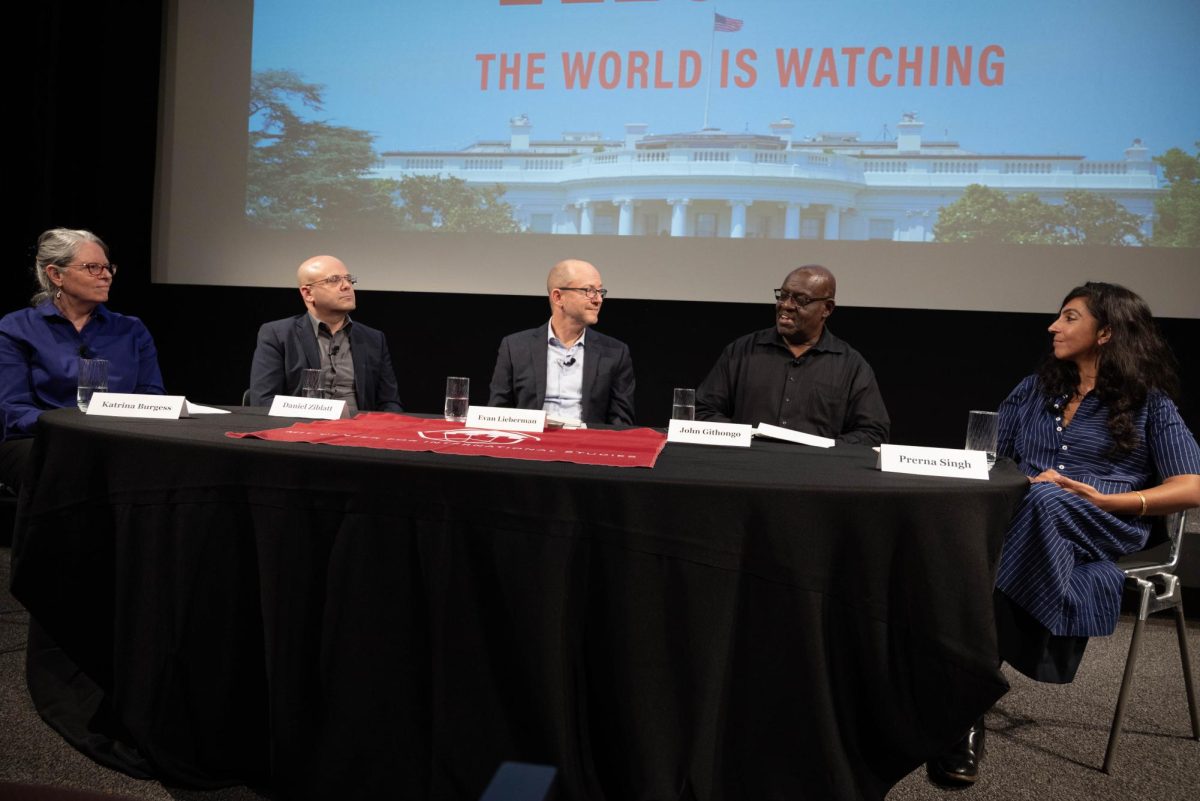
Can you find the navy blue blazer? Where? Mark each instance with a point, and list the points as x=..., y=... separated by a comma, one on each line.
x=287, y=347
x=519, y=380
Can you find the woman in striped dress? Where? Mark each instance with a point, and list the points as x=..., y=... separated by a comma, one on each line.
x=1105, y=450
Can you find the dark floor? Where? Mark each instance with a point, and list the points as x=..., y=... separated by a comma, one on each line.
x=1043, y=741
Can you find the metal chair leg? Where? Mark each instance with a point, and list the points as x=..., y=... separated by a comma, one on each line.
x=1181, y=630
x=1126, y=682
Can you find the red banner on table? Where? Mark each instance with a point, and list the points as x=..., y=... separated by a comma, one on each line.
x=635, y=447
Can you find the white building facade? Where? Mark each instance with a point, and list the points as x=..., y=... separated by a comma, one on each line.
x=716, y=184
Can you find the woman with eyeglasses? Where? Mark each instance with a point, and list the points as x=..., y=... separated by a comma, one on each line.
x=41, y=345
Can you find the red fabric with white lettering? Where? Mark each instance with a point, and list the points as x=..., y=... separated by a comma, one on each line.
x=636, y=447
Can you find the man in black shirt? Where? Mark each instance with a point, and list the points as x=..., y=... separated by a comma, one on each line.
x=797, y=375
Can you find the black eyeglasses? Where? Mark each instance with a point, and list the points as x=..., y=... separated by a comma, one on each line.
x=589, y=291
x=334, y=281
x=94, y=268
x=782, y=296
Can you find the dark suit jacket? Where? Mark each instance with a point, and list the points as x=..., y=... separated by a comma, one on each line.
x=287, y=347
x=519, y=380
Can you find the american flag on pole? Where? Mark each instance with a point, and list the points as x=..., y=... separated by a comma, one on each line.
x=726, y=24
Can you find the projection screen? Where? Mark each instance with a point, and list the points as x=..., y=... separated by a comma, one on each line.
x=933, y=154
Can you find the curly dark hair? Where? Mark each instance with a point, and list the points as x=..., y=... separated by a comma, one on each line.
x=1133, y=362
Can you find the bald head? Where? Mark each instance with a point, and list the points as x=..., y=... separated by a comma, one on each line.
x=816, y=278
x=571, y=270
x=327, y=300
x=571, y=310
x=805, y=302
x=318, y=267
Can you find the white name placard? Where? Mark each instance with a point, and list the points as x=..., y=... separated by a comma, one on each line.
x=126, y=404
x=698, y=432
x=946, y=462
x=788, y=435
x=502, y=419
x=311, y=408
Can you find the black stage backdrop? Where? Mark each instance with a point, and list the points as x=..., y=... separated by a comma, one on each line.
x=83, y=144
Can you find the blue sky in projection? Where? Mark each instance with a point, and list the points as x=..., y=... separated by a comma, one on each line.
x=1079, y=78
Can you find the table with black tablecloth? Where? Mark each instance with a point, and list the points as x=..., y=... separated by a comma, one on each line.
x=736, y=623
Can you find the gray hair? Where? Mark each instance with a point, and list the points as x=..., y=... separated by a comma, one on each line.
x=56, y=248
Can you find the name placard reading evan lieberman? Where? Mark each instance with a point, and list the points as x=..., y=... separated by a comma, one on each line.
x=501, y=419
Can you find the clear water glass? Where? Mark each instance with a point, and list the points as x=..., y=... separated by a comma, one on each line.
x=683, y=404
x=458, y=398
x=982, y=432
x=93, y=377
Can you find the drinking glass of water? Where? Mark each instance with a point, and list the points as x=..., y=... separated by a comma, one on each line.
x=458, y=398
x=982, y=428
x=683, y=407
x=310, y=383
x=93, y=377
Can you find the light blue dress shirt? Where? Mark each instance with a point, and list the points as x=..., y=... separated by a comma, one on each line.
x=564, y=376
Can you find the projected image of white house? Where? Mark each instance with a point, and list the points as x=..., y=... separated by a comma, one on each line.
x=735, y=119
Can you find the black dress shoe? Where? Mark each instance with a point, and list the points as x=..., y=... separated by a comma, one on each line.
x=959, y=766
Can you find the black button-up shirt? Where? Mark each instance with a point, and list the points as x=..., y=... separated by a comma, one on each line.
x=830, y=391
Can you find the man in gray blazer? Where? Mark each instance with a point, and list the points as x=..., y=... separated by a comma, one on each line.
x=563, y=367
x=353, y=358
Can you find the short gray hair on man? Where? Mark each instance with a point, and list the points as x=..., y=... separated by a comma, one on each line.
x=56, y=248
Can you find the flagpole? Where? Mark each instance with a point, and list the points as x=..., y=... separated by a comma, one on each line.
x=712, y=38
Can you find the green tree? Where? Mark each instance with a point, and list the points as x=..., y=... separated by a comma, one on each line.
x=983, y=214
x=1088, y=218
x=449, y=204
x=304, y=173
x=1177, y=210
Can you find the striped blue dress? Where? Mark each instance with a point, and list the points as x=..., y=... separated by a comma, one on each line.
x=1057, y=562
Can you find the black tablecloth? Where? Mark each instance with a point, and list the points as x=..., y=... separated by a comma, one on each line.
x=770, y=622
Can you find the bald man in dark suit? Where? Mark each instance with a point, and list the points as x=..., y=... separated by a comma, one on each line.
x=565, y=367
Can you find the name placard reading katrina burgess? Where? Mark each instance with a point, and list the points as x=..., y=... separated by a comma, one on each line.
x=946, y=462
x=501, y=419
x=127, y=404
x=309, y=408
x=701, y=433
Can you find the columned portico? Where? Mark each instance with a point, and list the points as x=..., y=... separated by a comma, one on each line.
x=836, y=186
x=625, y=218
x=833, y=219
x=585, y=216
x=791, y=220
x=679, y=216
x=737, y=219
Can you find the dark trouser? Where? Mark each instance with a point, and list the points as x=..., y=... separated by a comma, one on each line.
x=1030, y=648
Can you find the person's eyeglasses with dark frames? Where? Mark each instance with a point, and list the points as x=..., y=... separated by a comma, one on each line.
x=782, y=296
x=94, y=268
x=335, y=281
x=588, y=291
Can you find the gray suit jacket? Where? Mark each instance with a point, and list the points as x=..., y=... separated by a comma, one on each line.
x=287, y=347
x=519, y=380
